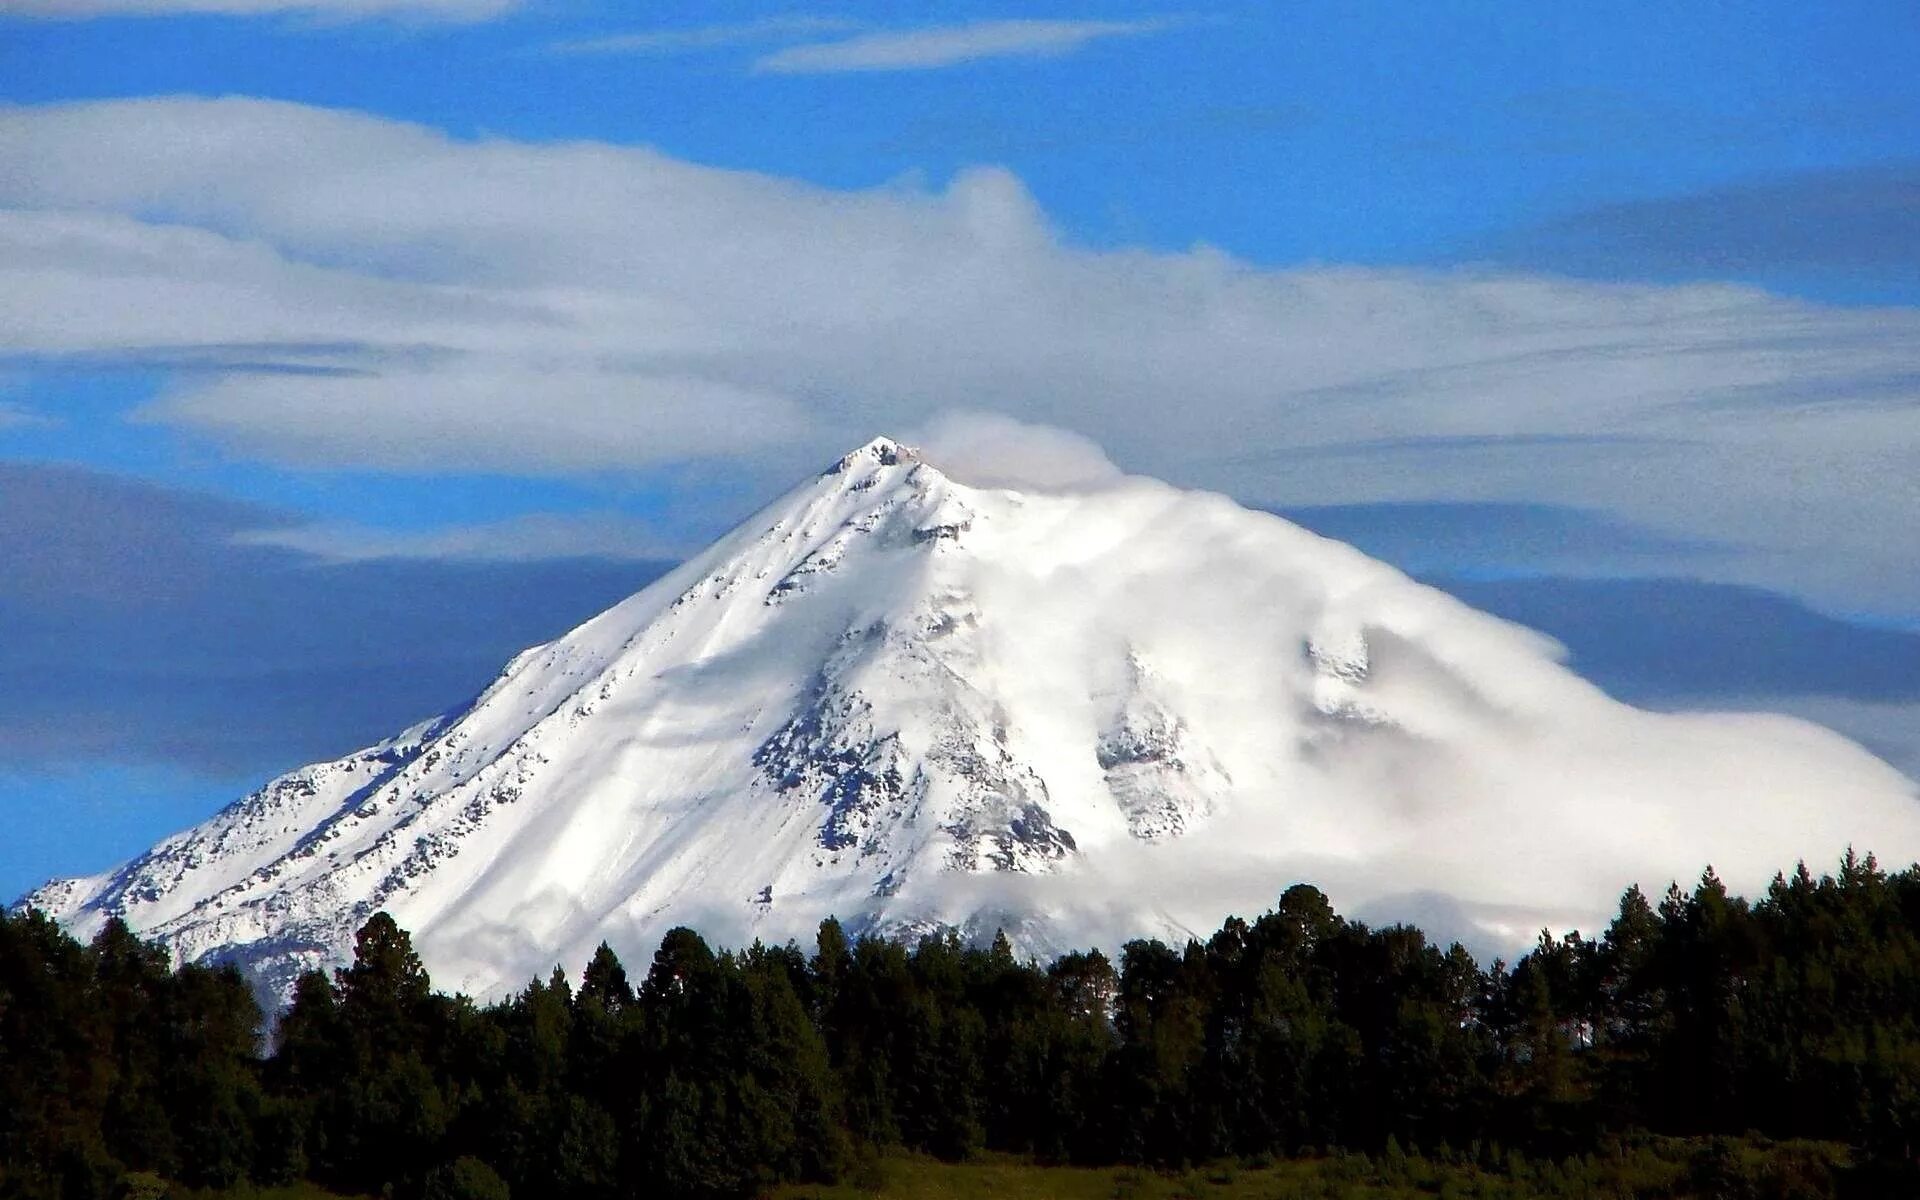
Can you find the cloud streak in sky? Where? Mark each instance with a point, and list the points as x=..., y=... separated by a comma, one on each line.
x=534, y=537
x=951, y=45
x=1857, y=222
x=354, y=292
x=437, y=10
x=694, y=39
x=148, y=625
x=550, y=418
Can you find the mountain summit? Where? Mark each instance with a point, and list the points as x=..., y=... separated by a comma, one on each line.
x=1081, y=715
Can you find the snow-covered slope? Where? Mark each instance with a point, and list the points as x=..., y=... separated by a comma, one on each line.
x=1081, y=715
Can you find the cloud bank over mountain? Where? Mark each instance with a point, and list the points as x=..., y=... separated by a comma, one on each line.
x=329, y=288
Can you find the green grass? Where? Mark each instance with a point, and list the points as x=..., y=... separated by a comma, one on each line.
x=142, y=1186
x=1654, y=1169
x=1645, y=1168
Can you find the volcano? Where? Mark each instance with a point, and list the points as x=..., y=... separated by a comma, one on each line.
x=1078, y=715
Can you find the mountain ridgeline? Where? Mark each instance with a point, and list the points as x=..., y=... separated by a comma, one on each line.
x=710, y=1073
x=1080, y=715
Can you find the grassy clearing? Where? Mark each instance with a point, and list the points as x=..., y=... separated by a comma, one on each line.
x=142, y=1186
x=1646, y=1168
x=1650, y=1169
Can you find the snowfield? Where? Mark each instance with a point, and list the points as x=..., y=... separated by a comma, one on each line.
x=1082, y=713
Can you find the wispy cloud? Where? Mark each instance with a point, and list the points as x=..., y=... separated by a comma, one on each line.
x=535, y=537
x=1860, y=221
x=141, y=630
x=433, y=10
x=531, y=308
x=660, y=42
x=12, y=416
x=950, y=45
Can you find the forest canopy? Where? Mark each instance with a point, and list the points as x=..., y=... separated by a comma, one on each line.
x=724, y=1073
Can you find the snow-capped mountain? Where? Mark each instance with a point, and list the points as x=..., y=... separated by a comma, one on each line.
x=1083, y=714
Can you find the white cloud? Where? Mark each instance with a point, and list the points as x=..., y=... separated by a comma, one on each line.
x=705, y=37
x=488, y=417
x=1891, y=729
x=428, y=303
x=535, y=537
x=951, y=45
x=437, y=10
x=988, y=450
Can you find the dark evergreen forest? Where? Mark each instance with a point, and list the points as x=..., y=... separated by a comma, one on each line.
x=724, y=1073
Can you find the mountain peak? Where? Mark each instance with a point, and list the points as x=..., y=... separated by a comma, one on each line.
x=1083, y=716
x=882, y=450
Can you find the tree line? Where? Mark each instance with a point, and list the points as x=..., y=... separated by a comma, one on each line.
x=725, y=1073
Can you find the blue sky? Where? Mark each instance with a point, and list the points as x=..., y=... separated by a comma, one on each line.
x=455, y=319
